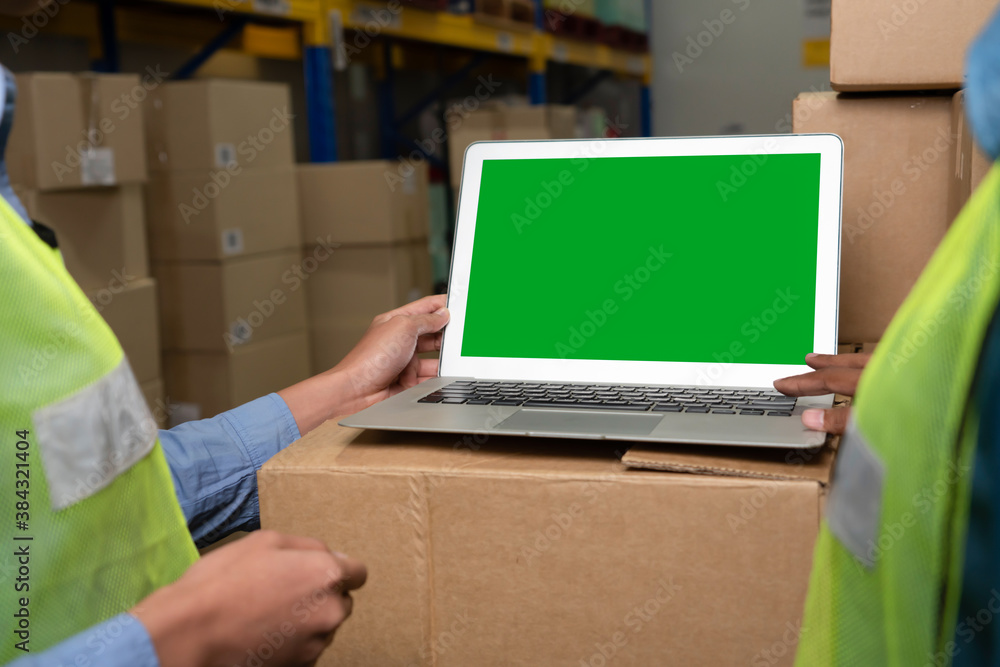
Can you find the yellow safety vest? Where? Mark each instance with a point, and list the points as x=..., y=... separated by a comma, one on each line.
x=887, y=570
x=88, y=516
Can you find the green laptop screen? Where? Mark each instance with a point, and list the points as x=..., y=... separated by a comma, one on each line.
x=684, y=259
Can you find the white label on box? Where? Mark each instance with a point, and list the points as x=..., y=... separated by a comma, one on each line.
x=505, y=41
x=560, y=53
x=279, y=7
x=232, y=241
x=97, y=166
x=225, y=155
x=635, y=65
x=410, y=183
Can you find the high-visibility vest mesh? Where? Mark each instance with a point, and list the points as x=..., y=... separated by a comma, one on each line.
x=100, y=556
x=913, y=408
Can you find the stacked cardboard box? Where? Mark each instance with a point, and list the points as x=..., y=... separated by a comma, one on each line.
x=76, y=159
x=365, y=227
x=224, y=239
x=910, y=163
x=507, y=123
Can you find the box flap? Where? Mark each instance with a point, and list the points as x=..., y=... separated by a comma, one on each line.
x=757, y=463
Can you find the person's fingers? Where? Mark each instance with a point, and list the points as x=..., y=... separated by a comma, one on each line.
x=410, y=373
x=427, y=305
x=831, y=380
x=429, y=323
x=354, y=574
x=820, y=361
x=430, y=342
x=429, y=368
x=833, y=420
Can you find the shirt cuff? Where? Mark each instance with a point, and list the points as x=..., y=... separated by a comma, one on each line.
x=121, y=641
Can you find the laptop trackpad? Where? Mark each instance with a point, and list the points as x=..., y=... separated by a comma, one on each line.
x=575, y=422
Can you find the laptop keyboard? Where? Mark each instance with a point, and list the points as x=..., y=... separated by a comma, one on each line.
x=750, y=402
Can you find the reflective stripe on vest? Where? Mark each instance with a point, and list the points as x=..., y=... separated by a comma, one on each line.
x=886, y=574
x=97, y=523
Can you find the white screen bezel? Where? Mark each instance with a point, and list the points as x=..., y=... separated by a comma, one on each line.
x=453, y=364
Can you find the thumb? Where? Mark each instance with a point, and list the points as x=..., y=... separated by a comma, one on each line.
x=831, y=421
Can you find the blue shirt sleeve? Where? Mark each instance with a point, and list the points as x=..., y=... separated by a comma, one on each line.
x=121, y=641
x=214, y=464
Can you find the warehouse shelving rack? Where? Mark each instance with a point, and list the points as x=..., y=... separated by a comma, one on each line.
x=316, y=30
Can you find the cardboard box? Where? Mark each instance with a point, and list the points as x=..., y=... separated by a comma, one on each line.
x=897, y=153
x=970, y=164
x=217, y=214
x=74, y=130
x=509, y=123
x=346, y=292
x=101, y=232
x=218, y=381
x=381, y=201
x=903, y=44
x=130, y=310
x=156, y=399
x=223, y=305
x=525, y=551
x=216, y=123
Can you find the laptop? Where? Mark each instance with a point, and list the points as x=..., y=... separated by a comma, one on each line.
x=647, y=290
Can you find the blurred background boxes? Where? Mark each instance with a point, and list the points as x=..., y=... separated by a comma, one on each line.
x=500, y=122
x=213, y=382
x=215, y=215
x=897, y=157
x=73, y=130
x=356, y=284
x=130, y=310
x=101, y=231
x=223, y=305
x=378, y=201
x=217, y=123
x=879, y=45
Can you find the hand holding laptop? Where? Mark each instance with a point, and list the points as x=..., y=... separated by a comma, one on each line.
x=837, y=374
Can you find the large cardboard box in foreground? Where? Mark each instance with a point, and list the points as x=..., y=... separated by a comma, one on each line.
x=218, y=123
x=222, y=305
x=903, y=44
x=897, y=174
x=101, y=231
x=218, y=381
x=524, y=551
x=218, y=214
x=378, y=201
